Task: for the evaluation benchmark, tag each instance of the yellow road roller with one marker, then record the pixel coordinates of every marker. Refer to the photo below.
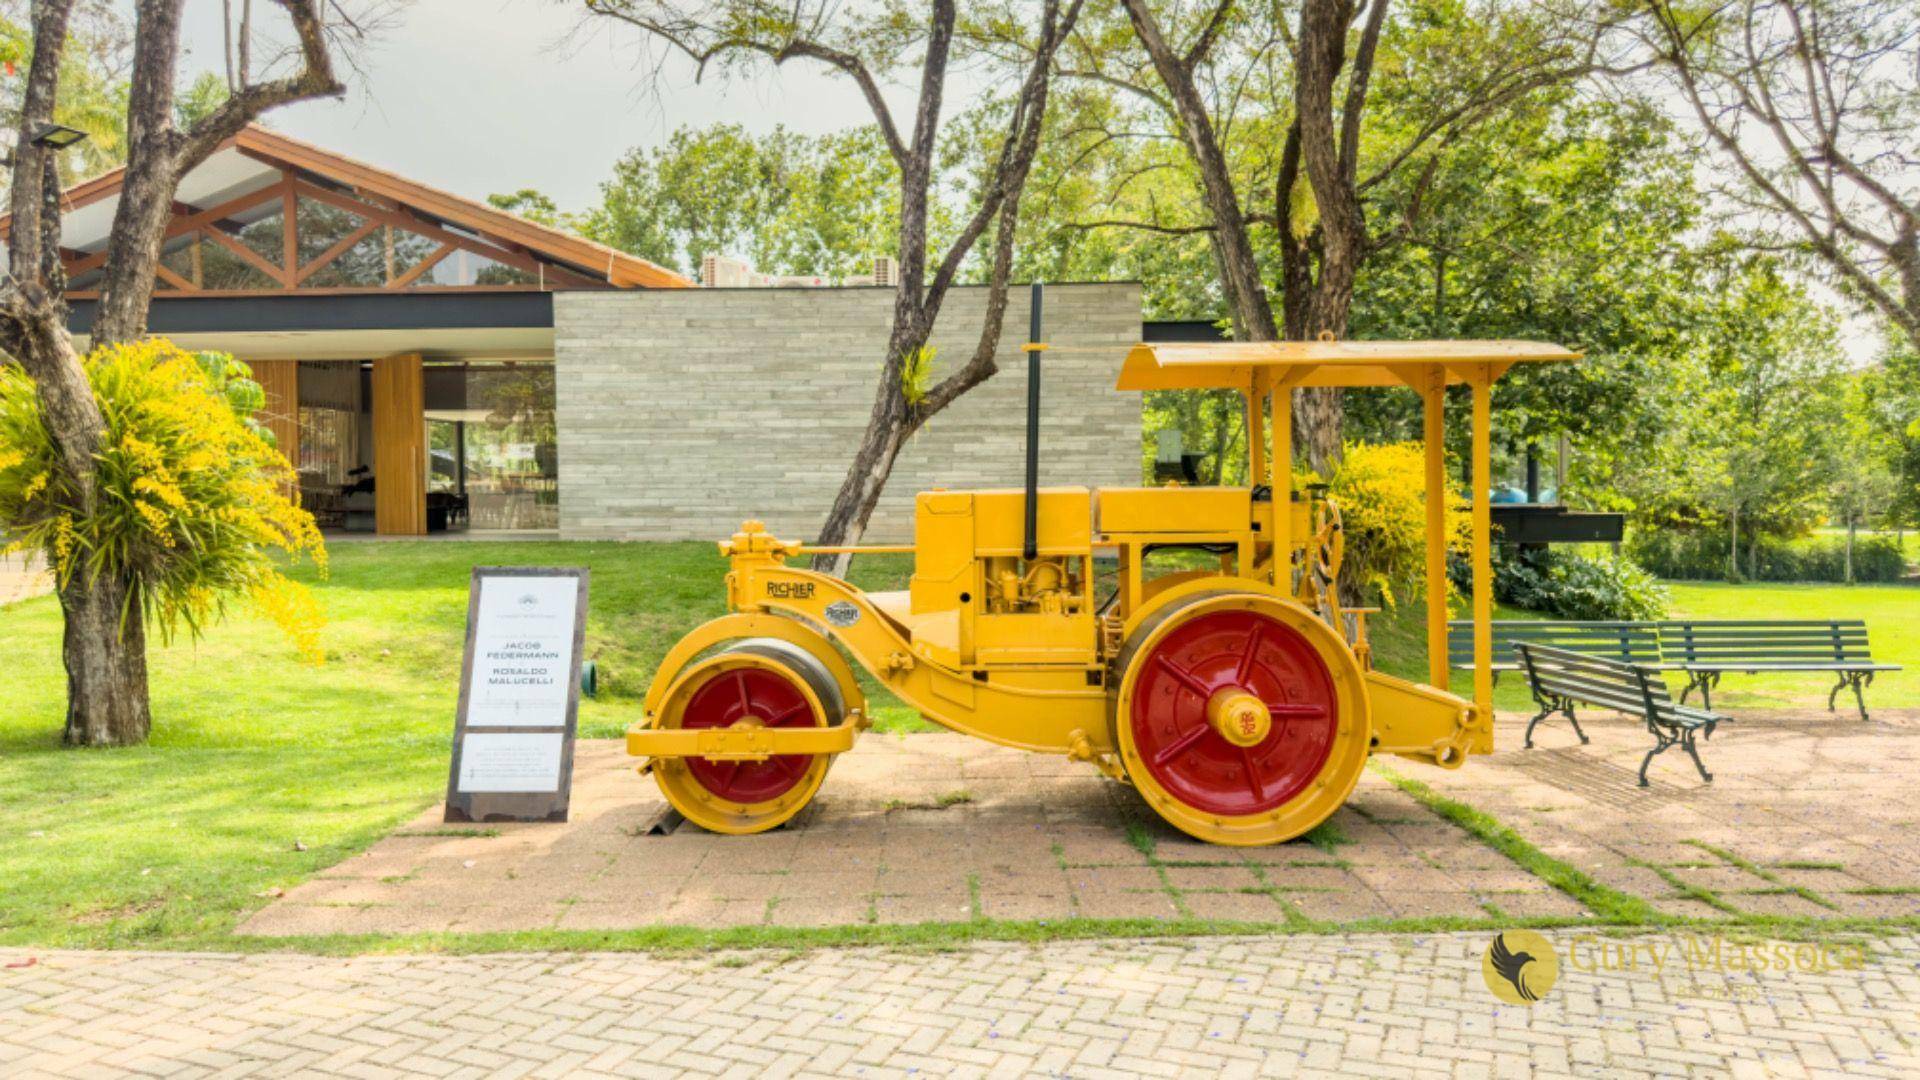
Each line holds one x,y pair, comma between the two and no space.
1236,697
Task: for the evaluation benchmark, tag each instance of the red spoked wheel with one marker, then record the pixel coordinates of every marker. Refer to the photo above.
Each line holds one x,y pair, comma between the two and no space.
758,682
748,697
1241,717
1235,712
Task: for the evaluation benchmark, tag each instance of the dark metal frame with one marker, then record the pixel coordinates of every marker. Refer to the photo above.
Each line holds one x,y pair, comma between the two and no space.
517,806
1667,733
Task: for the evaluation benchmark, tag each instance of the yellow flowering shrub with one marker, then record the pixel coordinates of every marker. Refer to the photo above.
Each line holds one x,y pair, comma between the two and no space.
192,505
1381,490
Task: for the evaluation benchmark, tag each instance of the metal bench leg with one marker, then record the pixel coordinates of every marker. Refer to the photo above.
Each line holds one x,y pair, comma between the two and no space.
1547,708
1711,679
1859,681
1575,721
1545,712
1834,695
1661,743
1686,743
1694,679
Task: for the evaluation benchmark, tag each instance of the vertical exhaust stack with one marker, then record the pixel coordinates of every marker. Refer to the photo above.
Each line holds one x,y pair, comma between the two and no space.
1033,349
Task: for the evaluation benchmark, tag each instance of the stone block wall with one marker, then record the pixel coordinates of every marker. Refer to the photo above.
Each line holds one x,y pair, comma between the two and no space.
683,412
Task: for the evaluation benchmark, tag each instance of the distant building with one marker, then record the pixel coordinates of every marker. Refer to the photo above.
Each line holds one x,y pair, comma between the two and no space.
432,362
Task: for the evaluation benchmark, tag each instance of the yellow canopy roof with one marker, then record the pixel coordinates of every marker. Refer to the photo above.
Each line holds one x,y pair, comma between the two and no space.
1205,365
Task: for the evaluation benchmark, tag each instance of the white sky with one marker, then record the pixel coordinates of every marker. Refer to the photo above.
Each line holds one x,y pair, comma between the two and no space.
483,96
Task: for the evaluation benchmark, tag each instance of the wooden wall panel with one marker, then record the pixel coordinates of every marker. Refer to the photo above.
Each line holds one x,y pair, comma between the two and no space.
281,380
399,446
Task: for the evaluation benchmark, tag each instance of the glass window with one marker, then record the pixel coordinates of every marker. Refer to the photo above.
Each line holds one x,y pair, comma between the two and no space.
465,267
181,254
263,228
220,268
409,248
322,225
364,265
491,447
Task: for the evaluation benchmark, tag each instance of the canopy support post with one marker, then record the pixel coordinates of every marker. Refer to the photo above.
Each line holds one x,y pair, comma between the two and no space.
1480,378
1433,393
1280,480
1256,429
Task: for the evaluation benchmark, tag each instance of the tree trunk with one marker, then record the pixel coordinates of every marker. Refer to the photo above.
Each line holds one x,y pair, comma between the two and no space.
1233,248
104,651
917,301
1733,545
106,660
1850,527
105,636
873,459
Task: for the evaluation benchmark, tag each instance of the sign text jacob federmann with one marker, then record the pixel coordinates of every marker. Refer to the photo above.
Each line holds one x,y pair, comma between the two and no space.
527,676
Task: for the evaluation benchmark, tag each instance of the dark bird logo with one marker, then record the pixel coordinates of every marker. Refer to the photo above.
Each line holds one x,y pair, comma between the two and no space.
1520,967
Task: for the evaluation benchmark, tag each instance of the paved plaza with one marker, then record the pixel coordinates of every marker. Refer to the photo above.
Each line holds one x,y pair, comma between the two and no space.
1372,1005
1809,815
1801,819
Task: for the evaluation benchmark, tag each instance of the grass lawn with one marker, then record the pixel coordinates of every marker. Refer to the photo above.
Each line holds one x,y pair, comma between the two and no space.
262,770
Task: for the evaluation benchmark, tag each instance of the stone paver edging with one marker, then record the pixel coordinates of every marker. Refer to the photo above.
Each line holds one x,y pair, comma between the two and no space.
1378,1005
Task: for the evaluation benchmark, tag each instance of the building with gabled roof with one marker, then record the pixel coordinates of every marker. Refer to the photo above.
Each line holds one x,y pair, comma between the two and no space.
435,363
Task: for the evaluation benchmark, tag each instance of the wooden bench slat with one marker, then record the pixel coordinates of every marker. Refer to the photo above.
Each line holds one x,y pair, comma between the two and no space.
1782,665
1762,641
1763,623
1789,652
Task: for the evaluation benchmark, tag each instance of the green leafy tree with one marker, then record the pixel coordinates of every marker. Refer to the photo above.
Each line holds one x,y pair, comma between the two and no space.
1754,419
200,98
193,497
93,83
535,206
1864,481
786,203
105,639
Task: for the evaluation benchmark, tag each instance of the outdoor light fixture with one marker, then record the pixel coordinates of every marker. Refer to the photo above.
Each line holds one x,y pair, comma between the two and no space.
57,136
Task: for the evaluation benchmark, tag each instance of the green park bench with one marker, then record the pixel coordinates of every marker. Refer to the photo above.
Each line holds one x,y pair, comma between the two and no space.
1632,642
1560,677
1706,649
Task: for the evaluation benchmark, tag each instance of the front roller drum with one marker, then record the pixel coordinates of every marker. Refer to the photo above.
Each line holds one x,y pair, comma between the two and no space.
754,683
1242,718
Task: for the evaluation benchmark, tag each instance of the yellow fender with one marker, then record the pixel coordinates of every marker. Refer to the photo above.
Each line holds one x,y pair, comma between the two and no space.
751,625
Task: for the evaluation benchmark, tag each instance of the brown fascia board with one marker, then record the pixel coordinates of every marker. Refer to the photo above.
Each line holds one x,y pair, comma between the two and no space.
618,267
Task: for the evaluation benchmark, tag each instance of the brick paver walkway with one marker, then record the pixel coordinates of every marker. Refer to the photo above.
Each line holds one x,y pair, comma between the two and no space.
943,828
1380,1006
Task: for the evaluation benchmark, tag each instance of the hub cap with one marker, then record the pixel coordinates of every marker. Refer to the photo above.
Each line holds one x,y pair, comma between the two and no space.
748,697
1234,713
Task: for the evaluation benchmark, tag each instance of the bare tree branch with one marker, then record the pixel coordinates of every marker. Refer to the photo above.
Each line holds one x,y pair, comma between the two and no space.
1818,132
